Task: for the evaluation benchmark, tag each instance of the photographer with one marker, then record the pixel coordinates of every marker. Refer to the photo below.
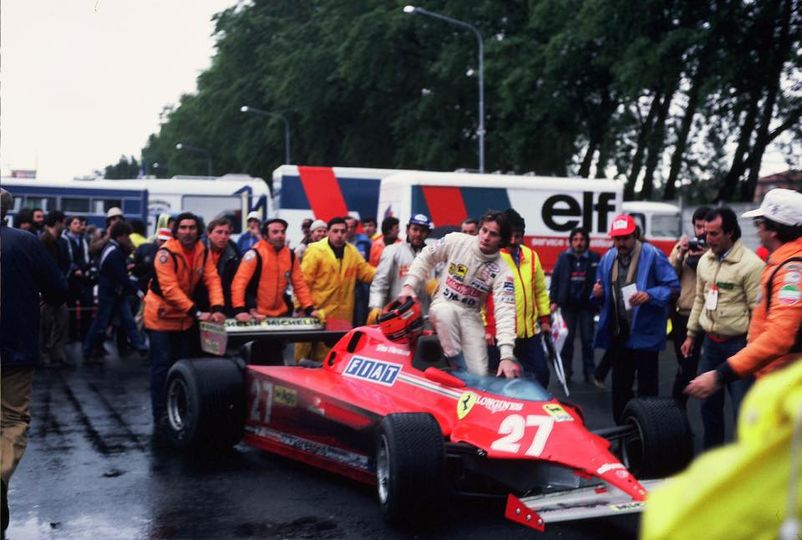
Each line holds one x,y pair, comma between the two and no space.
684,258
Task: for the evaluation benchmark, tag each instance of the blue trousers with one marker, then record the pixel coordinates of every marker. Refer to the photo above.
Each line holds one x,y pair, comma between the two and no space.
713,355
165,349
107,308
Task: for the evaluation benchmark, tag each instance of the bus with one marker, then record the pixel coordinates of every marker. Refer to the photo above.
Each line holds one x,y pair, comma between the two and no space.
232,196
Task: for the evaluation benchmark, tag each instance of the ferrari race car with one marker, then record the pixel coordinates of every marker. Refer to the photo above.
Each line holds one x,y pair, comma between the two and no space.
383,408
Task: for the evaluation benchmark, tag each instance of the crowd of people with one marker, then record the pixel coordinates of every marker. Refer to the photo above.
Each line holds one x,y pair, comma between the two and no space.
484,291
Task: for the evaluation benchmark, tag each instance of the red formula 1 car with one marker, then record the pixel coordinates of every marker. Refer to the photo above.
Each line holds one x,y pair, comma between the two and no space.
382,411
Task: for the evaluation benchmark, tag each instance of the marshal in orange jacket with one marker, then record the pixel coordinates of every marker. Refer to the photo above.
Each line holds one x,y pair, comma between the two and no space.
278,269
168,304
775,335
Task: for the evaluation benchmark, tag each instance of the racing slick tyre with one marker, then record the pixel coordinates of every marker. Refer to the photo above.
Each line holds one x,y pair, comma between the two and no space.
410,457
661,443
205,403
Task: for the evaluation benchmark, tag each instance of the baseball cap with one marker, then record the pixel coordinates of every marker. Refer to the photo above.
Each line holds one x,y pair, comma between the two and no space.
420,219
164,234
317,224
623,225
114,211
254,215
782,206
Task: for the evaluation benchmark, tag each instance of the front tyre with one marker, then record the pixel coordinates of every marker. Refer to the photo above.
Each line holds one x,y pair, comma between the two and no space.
410,457
205,403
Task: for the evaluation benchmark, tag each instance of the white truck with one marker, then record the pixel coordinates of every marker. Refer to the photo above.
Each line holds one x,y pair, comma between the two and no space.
551,206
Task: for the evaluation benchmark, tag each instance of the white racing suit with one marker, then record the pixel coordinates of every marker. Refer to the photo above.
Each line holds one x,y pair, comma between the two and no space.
469,276
390,274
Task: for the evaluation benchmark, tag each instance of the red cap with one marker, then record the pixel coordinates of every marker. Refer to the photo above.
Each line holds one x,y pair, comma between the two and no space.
623,225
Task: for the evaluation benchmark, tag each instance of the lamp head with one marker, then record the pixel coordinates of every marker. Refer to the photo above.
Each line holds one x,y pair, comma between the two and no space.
179,146
410,9
244,108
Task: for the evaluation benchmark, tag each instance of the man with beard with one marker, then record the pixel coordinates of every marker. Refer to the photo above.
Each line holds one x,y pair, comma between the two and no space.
394,265
634,285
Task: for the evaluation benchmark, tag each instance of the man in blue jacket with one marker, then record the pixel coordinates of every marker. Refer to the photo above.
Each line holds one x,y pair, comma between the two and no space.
634,286
113,287
26,272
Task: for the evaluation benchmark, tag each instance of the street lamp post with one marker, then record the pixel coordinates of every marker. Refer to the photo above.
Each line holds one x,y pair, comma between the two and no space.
413,10
184,146
247,109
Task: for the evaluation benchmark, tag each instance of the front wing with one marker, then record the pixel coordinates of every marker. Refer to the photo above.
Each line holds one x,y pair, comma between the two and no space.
581,503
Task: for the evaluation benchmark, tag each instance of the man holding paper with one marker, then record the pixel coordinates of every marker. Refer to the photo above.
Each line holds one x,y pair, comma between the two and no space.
634,286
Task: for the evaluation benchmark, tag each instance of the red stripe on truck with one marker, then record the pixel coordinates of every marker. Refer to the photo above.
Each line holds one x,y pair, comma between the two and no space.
445,205
323,191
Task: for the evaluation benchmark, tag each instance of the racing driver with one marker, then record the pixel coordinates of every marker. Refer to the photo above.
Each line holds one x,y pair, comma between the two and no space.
394,265
472,270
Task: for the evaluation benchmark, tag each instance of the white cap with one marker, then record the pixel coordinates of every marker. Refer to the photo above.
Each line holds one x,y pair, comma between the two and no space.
318,224
113,212
782,206
254,215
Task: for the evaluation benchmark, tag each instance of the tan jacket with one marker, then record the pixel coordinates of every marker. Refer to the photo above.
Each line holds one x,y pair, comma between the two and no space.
687,281
737,279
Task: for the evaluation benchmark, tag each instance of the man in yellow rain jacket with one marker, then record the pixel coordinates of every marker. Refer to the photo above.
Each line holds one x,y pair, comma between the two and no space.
531,302
331,268
744,490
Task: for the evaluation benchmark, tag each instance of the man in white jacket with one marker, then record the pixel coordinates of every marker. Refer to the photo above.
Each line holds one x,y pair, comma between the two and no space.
394,265
473,270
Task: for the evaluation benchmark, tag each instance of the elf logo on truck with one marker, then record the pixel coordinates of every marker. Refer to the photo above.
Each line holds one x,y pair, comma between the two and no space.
563,212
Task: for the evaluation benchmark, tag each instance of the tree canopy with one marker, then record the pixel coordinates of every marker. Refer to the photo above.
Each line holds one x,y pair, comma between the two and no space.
666,95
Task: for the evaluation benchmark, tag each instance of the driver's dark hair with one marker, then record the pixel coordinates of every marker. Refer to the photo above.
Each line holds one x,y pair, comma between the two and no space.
729,221
504,227
187,215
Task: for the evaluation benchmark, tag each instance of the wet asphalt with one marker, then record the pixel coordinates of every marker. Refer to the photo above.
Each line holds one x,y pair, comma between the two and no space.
93,470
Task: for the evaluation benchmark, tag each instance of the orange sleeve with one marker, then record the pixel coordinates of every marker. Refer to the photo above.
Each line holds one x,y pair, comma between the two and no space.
781,326
247,267
376,253
212,280
168,282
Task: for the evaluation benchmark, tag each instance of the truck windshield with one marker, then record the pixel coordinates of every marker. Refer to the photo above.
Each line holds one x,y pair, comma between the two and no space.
524,388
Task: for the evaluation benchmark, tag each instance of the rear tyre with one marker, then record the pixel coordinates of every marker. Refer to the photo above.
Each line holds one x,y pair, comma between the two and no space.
205,403
661,443
410,458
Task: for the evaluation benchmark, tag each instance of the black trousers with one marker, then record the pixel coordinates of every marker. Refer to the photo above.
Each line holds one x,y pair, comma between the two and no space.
686,366
627,363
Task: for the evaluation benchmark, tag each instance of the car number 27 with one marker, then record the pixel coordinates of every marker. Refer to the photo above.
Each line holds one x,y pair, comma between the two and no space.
516,428
261,400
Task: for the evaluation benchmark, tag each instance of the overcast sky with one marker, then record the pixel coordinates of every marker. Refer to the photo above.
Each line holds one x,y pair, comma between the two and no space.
84,81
